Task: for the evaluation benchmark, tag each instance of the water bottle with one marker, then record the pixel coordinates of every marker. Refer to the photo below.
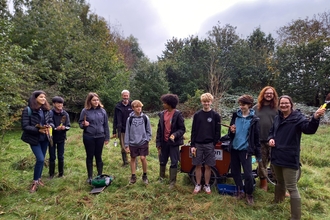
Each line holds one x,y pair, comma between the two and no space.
115,143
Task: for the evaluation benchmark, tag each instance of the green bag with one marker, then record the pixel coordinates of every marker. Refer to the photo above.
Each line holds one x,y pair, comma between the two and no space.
102,180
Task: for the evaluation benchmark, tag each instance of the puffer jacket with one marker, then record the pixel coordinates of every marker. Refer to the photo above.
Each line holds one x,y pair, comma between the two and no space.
177,129
287,135
31,134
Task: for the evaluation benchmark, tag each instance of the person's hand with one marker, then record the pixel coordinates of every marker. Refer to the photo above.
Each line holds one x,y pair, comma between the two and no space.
43,130
193,151
319,113
232,128
106,142
271,143
172,137
86,123
127,149
159,150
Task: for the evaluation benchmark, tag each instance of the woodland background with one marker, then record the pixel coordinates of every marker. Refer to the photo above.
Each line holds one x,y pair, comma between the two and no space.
61,47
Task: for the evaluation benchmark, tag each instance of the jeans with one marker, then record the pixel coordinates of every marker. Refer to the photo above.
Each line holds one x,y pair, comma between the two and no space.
39,152
60,152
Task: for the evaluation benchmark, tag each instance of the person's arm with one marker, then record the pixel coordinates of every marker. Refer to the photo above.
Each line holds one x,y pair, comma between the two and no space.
181,128
106,127
217,129
148,129
115,121
26,122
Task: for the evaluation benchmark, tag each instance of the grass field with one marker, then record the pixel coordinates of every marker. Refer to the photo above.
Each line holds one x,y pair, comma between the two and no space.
69,198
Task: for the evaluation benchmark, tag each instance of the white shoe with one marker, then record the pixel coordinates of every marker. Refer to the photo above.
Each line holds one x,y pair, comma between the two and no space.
197,189
207,189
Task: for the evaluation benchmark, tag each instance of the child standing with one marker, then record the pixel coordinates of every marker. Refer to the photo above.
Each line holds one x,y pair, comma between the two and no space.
169,136
244,131
62,125
205,133
137,137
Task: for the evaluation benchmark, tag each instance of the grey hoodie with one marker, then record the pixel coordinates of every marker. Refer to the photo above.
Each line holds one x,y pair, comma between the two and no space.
137,133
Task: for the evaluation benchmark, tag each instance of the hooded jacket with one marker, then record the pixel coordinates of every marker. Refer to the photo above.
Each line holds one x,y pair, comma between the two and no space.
287,135
177,129
137,133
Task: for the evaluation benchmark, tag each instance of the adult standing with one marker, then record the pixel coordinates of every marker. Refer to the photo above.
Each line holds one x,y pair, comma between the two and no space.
36,124
94,121
122,111
284,138
266,110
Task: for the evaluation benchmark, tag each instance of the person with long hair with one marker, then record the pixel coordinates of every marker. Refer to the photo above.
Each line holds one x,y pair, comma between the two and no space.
284,139
94,121
266,110
37,124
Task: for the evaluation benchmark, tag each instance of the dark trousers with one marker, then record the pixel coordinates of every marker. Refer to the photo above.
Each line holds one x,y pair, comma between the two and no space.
241,159
39,152
93,148
60,152
168,150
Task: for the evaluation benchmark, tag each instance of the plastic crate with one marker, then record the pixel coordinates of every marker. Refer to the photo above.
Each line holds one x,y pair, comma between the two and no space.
225,189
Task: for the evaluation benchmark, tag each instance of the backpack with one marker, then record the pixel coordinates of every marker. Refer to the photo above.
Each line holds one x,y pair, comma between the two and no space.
102,180
130,119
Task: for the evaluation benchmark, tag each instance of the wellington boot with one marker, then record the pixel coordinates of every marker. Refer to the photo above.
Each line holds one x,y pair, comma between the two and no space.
60,169
51,170
89,172
295,208
124,158
263,184
173,173
162,170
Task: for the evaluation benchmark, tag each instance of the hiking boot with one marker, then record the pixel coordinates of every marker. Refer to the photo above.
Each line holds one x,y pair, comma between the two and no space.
197,189
41,183
240,195
207,189
145,179
132,180
34,187
249,199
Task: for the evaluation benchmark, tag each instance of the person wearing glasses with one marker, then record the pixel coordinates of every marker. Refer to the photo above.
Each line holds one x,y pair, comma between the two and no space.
266,110
284,140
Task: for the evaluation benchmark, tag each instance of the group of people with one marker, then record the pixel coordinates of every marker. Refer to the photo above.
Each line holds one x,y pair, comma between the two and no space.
271,130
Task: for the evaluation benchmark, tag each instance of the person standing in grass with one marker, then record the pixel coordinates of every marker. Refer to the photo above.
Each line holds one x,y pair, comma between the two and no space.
122,111
170,132
284,139
137,138
94,121
62,125
244,132
266,110
205,133
36,124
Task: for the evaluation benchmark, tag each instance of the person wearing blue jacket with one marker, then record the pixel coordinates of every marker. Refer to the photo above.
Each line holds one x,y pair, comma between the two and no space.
36,125
284,140
137,137
244,132
94,121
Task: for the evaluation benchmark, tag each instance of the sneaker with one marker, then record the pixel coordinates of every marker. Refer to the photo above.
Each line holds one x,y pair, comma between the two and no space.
34,187
197,188
249,199
41,183
207,189
132,180
145,180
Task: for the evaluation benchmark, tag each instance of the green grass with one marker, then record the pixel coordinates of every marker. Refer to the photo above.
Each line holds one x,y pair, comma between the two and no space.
69,198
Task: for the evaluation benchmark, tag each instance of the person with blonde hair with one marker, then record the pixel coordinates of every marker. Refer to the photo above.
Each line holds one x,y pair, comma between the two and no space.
205,133
137,137
94,121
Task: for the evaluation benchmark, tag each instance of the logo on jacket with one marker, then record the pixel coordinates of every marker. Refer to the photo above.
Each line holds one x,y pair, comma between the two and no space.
137,121
209,119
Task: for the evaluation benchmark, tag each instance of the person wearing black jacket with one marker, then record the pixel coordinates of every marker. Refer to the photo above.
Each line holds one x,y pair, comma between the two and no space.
284,139
62,125
170,133
37,124
122,111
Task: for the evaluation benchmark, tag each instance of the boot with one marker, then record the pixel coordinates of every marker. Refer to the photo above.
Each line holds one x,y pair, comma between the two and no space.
279,194
89,172
124,157
295,204
173,173
162,170
99,167
51,170
263,184
60,169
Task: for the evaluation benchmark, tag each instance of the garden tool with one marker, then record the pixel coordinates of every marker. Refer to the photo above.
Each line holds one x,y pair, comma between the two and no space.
327,101
62,120
265,173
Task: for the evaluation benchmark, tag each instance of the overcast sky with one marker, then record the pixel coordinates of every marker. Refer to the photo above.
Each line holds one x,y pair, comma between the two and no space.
153,22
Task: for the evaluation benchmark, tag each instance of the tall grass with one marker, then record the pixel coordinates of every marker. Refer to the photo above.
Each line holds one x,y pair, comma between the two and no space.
69,198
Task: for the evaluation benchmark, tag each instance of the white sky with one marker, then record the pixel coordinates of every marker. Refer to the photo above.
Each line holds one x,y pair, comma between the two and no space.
154,22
